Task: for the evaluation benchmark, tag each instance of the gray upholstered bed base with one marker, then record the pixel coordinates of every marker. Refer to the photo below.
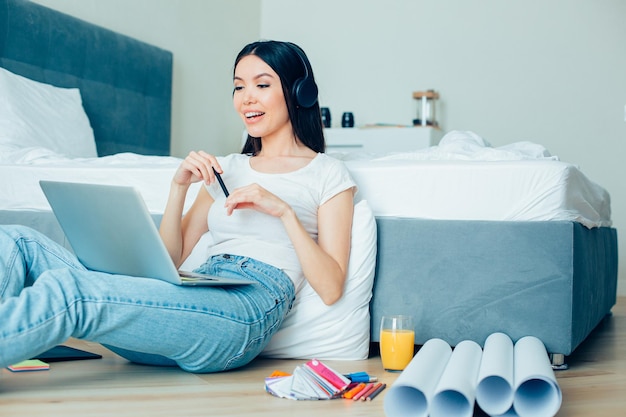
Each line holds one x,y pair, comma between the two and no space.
467,279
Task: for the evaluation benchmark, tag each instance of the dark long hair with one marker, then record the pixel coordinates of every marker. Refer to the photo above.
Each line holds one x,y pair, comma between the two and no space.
285,61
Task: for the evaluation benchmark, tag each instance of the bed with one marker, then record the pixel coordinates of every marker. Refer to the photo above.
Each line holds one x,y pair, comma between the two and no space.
490,239
125,90
469,239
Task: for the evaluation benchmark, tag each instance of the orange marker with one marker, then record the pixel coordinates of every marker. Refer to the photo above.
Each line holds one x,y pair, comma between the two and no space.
278,373
354,391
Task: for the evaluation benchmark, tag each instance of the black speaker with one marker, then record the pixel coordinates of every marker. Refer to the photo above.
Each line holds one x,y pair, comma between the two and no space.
304,89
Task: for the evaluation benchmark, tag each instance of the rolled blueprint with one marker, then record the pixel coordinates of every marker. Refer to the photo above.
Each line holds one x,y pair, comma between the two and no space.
537,393
411,393
494,393
456,390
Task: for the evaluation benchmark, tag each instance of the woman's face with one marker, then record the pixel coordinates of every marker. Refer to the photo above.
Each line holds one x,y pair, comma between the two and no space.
259,100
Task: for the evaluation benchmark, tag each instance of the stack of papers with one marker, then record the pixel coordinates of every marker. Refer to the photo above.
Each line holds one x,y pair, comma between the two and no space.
310,381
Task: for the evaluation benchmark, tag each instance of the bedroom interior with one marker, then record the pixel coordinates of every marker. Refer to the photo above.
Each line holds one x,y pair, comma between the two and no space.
565,295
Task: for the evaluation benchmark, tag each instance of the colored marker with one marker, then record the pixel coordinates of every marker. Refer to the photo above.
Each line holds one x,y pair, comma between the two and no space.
377,391
361,377
365,391
354,391
374,388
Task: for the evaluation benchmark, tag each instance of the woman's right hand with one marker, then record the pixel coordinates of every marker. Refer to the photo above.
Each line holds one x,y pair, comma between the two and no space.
197,166
181,233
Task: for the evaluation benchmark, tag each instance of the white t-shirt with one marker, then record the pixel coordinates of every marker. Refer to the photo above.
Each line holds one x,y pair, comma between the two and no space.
263,237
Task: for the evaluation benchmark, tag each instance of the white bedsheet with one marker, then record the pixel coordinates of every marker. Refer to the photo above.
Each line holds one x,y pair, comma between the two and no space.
463,178
462,190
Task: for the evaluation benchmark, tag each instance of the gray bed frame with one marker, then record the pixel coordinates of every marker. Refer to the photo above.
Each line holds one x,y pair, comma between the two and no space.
555,280
459,279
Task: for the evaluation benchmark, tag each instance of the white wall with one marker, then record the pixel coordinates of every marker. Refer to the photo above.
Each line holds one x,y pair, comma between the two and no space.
549,71
205,37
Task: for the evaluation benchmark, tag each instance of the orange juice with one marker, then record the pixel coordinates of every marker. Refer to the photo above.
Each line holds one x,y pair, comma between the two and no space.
396,348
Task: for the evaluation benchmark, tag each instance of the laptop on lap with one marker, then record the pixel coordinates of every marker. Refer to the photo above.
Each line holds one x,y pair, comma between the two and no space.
110,230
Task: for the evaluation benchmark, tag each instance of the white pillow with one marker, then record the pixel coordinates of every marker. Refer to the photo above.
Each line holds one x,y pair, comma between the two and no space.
312,329
34,114
340,331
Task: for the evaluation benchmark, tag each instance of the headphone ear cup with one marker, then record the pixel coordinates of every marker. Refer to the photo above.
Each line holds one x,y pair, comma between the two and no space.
305,92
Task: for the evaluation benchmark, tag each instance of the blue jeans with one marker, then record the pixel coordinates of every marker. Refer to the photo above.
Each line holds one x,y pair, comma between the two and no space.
47,296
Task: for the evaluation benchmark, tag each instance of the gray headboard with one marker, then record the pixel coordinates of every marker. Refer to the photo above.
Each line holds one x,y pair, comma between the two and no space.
126,84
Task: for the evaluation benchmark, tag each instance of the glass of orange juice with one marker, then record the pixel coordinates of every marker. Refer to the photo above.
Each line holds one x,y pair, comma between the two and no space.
397,342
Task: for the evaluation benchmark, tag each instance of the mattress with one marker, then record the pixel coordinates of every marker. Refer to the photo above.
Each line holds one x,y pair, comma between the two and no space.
462,178
528,190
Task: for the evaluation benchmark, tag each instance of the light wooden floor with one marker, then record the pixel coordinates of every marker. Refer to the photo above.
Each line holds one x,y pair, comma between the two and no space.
595,385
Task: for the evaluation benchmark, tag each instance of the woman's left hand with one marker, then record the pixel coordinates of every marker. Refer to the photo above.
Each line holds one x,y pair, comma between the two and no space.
255,197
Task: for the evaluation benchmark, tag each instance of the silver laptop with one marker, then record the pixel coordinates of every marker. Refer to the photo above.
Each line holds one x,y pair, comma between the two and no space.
110,230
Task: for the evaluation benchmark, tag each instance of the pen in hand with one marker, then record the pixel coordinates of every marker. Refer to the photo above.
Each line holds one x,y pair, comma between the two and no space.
219,179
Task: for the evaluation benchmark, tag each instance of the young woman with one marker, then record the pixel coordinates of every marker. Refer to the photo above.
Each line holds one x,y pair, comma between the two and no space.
287,219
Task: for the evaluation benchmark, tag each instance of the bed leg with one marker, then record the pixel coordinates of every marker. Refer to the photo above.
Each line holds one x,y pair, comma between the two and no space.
558,361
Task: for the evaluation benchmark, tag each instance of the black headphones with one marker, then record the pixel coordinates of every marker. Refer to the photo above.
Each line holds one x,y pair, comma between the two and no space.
304,89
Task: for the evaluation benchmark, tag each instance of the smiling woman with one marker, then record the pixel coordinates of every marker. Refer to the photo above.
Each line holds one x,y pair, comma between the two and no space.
286,222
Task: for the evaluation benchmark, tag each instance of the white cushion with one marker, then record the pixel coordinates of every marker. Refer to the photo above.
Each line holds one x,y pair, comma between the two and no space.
38,115
314,330
340,331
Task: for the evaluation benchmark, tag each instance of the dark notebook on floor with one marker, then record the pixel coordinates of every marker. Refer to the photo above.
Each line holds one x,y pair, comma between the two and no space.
65,353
